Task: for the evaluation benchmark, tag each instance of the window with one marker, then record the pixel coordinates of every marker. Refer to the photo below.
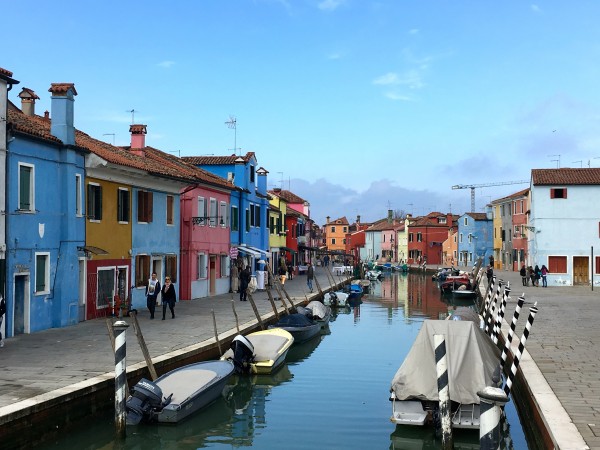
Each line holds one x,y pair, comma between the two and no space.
410,237
223,214
170,213
251,174
470,238
235,218
247,220
94,201
333,229
224,265
332,241
557,264
502,235
466,221
460,239
106,287
144,206
345,229
213,212
558,193
344,241
272,225
522,206
442,220
202,269
419,237
78,195
171,267
257,215
201,210
26,188
142,270
42,273
123,205
517,231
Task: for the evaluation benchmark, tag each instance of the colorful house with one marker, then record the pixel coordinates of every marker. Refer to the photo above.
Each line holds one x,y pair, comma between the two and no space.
45,221
277,234
520,217
450,247
475,231
335,234
426,236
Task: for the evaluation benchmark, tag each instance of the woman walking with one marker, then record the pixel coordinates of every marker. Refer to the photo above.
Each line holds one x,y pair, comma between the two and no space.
168,297
544,273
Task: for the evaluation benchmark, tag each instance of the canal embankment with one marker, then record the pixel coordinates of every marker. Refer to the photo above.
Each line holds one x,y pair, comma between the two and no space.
56,379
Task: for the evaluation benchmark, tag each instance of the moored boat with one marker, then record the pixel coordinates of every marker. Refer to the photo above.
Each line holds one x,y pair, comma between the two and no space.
336,299
178,393
261,352
316,311
299,326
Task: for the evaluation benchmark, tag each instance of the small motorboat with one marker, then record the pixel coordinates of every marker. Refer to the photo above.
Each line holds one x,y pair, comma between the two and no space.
261,352
374,275
316,311
178,393
472,362
299,326
336,299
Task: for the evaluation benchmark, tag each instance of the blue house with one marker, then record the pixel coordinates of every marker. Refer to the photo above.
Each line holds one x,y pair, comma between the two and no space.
45,221
475,237
249,205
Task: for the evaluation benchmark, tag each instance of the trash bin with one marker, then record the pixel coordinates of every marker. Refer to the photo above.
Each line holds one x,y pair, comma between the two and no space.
260,279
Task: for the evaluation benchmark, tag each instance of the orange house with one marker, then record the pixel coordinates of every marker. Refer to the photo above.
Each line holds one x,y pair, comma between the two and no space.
335,234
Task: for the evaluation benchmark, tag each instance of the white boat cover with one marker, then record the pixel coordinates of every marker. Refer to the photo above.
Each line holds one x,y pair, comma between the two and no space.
318,309
470,354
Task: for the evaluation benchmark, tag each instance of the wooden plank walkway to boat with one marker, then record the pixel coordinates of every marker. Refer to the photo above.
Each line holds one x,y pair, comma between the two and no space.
59,365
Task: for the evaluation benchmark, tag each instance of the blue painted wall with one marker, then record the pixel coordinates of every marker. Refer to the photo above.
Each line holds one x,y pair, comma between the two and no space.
481,243
53,227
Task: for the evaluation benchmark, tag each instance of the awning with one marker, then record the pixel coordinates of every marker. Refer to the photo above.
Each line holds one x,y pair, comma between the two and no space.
249,251
264,252
287,249
93,250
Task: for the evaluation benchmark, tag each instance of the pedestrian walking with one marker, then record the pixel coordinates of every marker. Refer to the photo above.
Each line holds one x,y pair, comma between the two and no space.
245,277
524,277
490,273
544,272
152,291
531,274
538,275
169,297
310,274
2,311
282,271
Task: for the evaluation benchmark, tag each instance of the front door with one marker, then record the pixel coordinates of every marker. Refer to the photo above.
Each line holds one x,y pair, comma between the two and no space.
213,274
21,298
580,270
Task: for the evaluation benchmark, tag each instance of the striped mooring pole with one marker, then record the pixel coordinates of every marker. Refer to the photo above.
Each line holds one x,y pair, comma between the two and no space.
511,332
441,365
492,399
120,326
500,314
515,365
492,310
488,297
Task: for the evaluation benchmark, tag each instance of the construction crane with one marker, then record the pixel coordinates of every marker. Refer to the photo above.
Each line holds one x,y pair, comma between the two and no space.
473,186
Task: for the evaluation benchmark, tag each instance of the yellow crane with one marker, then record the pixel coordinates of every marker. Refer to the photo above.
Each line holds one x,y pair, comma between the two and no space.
473,186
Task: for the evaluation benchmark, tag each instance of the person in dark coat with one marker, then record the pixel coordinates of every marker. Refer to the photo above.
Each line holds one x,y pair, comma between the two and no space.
524,277
152,290
490,274
2,311
538,274
245,277
310,275
169,297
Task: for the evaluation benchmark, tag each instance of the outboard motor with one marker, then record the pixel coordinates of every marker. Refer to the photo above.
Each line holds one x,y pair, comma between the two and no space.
333,299
243,353
144,401
305,311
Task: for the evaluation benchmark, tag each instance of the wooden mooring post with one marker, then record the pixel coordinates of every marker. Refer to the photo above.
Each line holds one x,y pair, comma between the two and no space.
237,322
140,337
256,313
212,311
272,301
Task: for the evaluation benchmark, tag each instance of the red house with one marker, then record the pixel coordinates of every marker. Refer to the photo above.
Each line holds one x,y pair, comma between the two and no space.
426,236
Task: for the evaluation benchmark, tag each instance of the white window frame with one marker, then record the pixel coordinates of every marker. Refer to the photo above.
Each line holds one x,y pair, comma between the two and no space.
46,273
201,209
202,267
224,207
224,265
92,183
31,187
78,195
466,221
119,190
213,212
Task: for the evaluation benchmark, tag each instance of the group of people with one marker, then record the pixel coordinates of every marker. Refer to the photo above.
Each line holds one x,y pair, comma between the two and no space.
534,274
169,297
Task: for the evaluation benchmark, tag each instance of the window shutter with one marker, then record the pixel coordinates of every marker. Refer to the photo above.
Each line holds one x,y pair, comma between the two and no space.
99,203
90,201
150,205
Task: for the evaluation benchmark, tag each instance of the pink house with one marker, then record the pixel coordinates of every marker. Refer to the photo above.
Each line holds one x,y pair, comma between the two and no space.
205,236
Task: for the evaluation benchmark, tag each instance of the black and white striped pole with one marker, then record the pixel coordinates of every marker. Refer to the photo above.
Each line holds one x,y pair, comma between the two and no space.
491,401
441,365
515,365
500,314
488,297
120,327
511,332
492,310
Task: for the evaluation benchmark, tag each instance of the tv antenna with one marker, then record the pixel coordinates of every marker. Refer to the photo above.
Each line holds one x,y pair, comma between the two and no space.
110,134
557,161
132,111
232,124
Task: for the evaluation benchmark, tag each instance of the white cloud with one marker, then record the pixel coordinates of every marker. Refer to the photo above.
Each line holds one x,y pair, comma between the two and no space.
392,95
334,56
413,31
330,5
387,79
535,8
166,64
411,78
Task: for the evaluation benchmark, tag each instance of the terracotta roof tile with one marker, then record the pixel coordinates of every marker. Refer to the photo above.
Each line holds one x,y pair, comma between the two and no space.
8,73
478,216
216,160
521,193
62,88
340,221
288,196
32,125
567,176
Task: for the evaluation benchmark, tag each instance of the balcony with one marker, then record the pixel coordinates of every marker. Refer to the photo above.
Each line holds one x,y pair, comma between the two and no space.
302,240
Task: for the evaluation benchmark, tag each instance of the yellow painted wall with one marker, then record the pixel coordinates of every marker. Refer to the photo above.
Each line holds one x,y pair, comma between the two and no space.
108,234
276,240
497,236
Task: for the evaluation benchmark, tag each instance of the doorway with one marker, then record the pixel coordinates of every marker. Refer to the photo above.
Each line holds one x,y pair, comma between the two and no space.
212,274
580,270
21,305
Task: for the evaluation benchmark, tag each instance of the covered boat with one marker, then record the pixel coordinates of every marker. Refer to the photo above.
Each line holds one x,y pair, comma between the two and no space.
336,299
320,312
472,359
299,326
178,393
261,352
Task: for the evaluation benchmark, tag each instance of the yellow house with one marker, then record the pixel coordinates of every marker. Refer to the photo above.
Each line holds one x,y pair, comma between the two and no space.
497,223
277,236
335,234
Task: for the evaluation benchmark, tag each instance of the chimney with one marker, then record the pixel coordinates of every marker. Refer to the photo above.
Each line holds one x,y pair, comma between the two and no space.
390,216
62,125
28,98
327,220
357,219
138,139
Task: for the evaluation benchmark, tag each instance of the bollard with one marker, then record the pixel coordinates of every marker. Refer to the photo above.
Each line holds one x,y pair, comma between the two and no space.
515,365
120,327
500,314
492,400
511,332
439,342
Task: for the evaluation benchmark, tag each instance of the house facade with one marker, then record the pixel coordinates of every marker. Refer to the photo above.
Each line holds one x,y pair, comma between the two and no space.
426,236
564,224
475,231
334,232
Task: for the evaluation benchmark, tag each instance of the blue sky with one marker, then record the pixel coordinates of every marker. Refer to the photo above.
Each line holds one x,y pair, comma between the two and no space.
356,106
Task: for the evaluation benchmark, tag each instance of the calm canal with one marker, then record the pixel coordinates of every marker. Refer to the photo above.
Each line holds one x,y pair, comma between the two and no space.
332,392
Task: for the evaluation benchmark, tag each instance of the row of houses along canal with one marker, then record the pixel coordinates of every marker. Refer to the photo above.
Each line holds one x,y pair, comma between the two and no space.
332,392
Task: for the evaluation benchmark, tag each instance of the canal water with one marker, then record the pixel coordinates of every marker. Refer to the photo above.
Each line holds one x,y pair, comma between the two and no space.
331,394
